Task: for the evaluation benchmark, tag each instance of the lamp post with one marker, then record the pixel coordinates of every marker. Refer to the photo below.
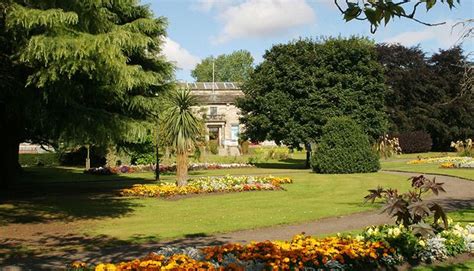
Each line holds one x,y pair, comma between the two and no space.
157,168
88,159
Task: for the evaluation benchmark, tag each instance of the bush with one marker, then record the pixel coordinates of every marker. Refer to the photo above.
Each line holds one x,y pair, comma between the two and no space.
344,148
244,147
39,159
415,142
280,153
213,147
144,159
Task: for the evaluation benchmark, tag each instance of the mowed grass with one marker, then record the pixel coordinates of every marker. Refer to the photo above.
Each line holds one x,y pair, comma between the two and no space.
311,196
467,266
74,195
465,173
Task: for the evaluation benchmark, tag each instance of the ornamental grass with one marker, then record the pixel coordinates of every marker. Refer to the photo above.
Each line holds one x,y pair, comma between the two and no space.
208,185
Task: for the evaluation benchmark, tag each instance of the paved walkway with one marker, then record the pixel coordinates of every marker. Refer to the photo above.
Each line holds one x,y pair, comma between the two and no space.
460,195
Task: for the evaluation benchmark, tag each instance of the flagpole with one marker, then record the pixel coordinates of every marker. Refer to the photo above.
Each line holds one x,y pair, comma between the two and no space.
213,77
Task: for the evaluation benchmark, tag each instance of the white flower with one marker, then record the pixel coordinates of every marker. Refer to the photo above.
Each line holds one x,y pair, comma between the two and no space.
370,231
396,232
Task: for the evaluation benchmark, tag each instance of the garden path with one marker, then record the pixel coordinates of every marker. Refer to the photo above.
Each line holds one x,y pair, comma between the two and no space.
460,195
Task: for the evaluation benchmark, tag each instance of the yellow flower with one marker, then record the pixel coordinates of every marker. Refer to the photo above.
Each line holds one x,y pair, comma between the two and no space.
100,267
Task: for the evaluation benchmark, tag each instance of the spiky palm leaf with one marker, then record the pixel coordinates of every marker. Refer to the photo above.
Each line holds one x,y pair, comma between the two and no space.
180,125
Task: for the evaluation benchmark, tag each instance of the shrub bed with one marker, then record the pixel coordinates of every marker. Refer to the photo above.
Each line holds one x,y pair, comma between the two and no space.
380,247
208,185
344,148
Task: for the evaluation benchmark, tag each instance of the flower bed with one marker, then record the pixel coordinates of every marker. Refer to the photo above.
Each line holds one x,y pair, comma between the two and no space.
208,185
377,247
447,162
163,168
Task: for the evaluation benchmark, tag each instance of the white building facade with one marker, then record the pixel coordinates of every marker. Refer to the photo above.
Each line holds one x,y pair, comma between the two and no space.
220,114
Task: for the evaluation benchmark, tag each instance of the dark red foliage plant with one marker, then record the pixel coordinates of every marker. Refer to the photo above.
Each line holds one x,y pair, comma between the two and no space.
409,208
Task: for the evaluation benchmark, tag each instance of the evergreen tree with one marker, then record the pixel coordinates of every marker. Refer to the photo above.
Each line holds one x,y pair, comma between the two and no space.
344,148
90,71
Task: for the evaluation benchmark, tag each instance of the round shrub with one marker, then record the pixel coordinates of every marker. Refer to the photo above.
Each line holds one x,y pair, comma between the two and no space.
344,148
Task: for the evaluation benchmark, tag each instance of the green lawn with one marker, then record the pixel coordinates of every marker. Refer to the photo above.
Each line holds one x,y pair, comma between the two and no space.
68,194
65,193
312,196
428,168
468,266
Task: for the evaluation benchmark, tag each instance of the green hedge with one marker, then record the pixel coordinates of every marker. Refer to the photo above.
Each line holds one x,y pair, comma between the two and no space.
35,159
344,148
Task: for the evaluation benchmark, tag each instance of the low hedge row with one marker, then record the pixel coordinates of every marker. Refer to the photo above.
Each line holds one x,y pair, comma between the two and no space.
39,159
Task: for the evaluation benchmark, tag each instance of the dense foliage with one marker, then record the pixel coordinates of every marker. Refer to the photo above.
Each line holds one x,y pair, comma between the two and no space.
234,67
415,142
425,93
302,84
84,71
344,148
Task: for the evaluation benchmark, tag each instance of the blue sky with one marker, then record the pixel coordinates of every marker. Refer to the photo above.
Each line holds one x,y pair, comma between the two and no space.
201,28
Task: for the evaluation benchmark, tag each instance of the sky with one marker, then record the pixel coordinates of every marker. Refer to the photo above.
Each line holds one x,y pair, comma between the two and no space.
201,28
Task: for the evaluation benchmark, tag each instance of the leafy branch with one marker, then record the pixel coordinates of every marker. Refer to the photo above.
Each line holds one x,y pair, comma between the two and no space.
378,11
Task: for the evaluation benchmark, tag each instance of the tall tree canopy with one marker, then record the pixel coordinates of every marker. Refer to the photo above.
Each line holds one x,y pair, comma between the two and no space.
234,67
89,71
425,93
302,84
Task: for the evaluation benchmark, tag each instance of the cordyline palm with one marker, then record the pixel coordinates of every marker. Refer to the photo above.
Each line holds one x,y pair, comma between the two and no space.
181,129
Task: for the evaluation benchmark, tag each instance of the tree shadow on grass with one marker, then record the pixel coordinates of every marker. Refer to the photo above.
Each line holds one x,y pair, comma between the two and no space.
284,164
87,197
58,251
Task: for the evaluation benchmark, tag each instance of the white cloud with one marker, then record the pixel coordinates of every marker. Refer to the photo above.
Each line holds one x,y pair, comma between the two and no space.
444,35
179,55
257,18
208,5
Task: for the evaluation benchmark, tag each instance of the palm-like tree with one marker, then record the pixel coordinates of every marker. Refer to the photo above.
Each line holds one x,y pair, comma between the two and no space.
181,129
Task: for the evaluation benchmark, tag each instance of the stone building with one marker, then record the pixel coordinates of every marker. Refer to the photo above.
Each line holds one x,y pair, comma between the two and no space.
221,116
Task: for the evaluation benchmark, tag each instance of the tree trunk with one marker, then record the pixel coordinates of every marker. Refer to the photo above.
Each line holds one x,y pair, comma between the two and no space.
308,156
181,169
157,168
3,154
9,164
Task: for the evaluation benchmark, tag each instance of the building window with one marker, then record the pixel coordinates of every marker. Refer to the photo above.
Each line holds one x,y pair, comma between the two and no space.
213,111
234,132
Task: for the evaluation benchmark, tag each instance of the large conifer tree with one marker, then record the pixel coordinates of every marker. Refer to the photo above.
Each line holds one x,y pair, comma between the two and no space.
82,71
